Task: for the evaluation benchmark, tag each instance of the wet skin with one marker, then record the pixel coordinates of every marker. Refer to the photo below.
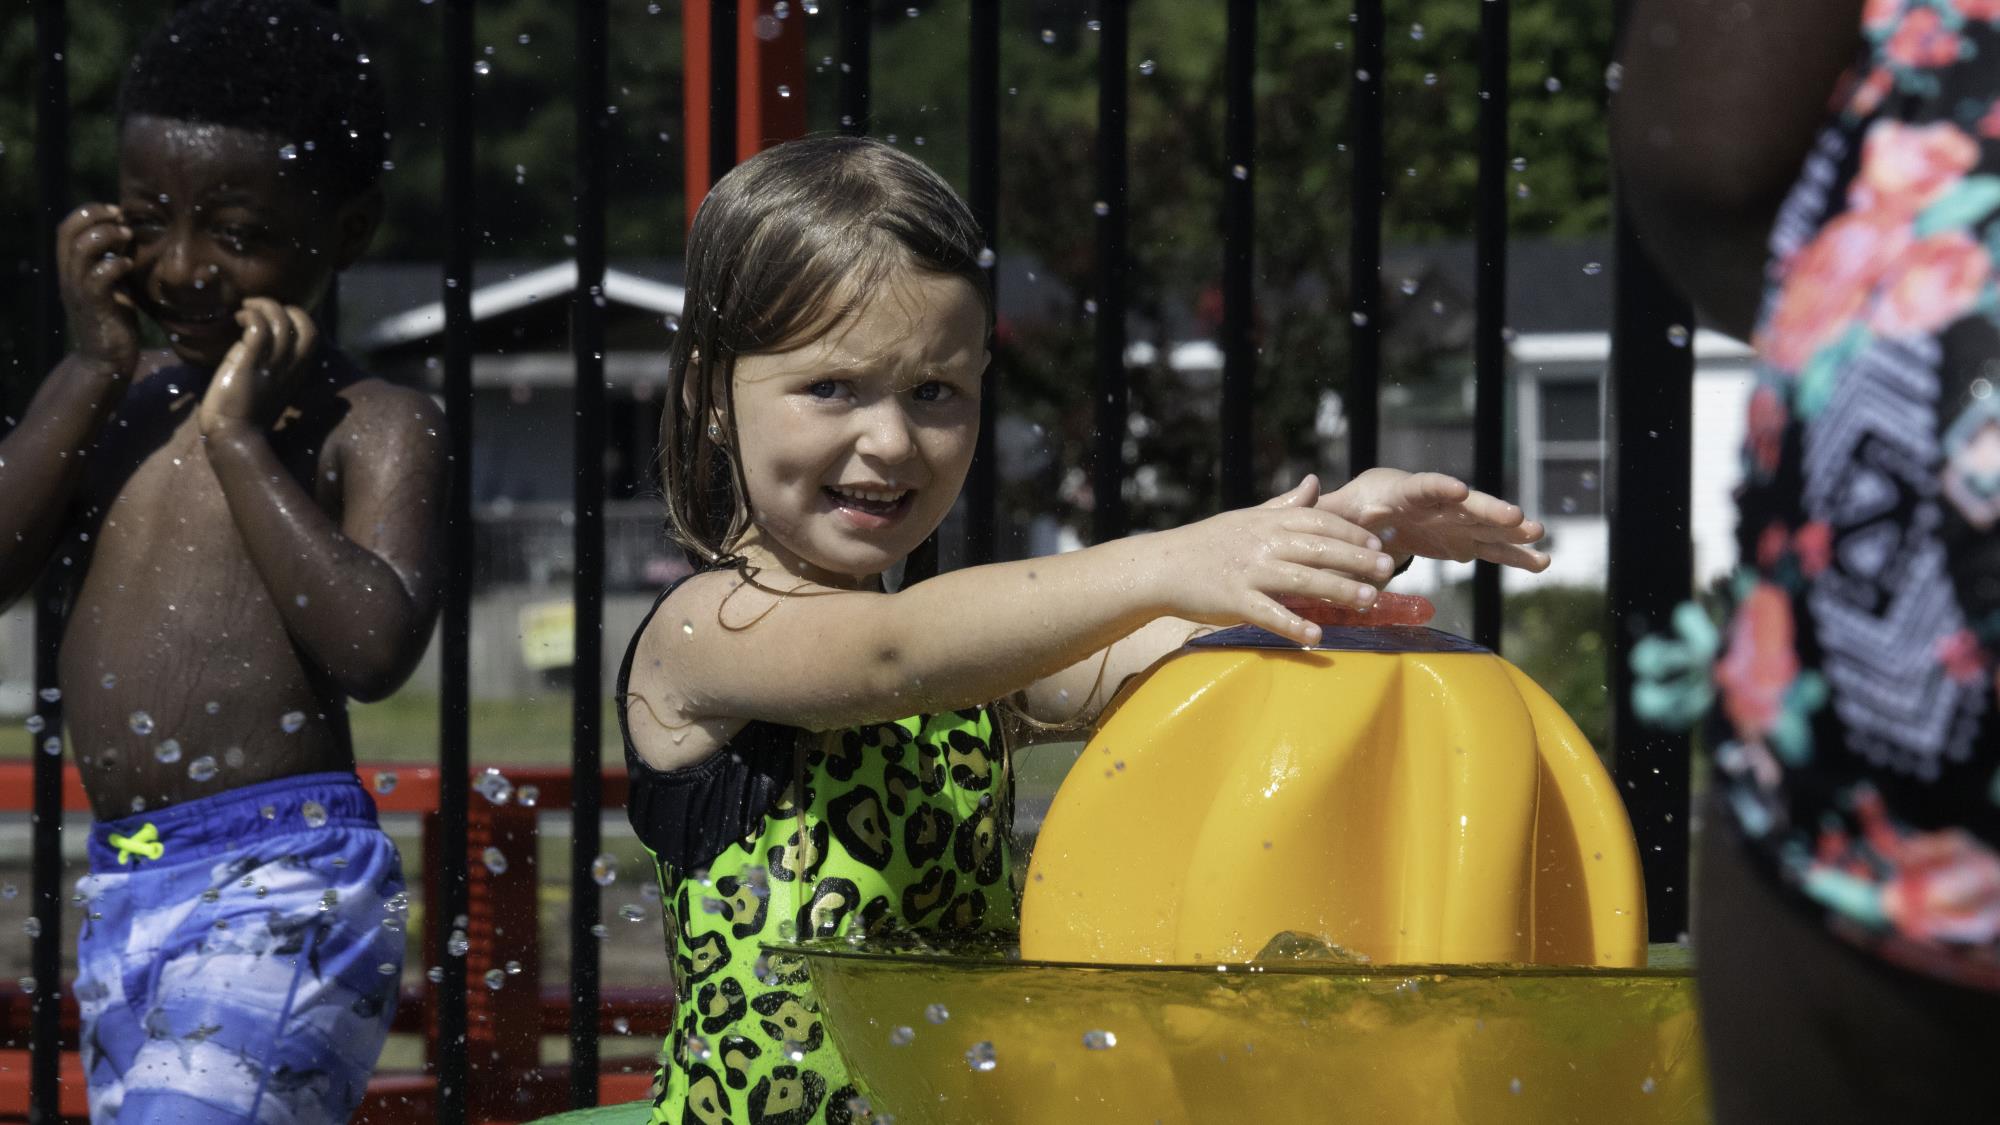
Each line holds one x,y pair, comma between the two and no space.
246,527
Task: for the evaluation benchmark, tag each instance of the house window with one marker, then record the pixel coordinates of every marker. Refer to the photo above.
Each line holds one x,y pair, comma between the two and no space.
1565,453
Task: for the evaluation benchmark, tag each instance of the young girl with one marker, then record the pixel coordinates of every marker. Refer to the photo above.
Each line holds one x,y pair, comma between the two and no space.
811,753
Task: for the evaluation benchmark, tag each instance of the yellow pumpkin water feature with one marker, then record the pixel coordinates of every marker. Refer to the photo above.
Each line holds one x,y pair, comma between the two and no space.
1396,791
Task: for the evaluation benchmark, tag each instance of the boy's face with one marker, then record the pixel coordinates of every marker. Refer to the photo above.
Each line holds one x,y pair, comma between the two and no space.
218,216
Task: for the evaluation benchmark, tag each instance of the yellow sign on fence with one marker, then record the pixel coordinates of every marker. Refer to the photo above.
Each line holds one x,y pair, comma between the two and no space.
548,634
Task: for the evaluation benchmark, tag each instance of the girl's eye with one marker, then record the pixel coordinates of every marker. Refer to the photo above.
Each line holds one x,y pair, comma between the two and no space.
825,388
933,391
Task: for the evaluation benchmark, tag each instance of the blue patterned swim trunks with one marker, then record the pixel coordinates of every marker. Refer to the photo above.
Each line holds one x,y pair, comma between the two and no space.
236,965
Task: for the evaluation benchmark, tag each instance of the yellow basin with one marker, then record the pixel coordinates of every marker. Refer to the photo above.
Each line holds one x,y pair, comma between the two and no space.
1397,792
1289,1042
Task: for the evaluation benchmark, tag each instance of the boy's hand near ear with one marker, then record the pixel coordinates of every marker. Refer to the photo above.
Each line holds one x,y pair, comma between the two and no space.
93,258
259,375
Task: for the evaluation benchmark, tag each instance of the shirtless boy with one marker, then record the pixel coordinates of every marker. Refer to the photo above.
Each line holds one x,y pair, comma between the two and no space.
248,531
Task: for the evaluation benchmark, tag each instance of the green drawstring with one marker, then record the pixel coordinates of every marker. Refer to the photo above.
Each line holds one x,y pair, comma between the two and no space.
145,842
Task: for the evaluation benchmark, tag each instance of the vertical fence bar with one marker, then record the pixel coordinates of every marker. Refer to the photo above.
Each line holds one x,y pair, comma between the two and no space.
1364,332
1107,469
52,147
721,88
587,581
854,64
1239,232
982,485
454,725
1651,558
1489,344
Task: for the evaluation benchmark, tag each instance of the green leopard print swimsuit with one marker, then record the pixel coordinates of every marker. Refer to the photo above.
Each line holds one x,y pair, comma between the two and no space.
901,825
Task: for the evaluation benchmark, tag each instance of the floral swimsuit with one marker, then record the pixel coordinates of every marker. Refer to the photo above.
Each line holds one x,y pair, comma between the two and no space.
1854,729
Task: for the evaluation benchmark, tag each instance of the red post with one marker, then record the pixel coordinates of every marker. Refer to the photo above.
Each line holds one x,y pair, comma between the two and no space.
770,84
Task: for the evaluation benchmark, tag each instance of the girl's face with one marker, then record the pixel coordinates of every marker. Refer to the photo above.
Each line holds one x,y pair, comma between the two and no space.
854,445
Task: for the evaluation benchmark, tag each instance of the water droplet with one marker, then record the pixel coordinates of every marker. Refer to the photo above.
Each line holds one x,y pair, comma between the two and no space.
457,944
168,752
979,1056
1513,1085
495,860
1677,335
1520,191
600,931
385,781
202,769
50,694
386,968
141,723
28,985
1614,77
1518,164
1049,35
986,257
1408,287
110,680
314,814
901,1036
1552,84
495,978
1592,269
697,1048
1646,1087
522,39
495,787
9,891
52,746
1360,319
937,1013
329,900
1101,207
687,628
513,968
1240,172
35,724
604,870
811,7
269,812
482,67
1147,67
435,974
300,601
795,1050
528,796
1417,32
289,152
632,912
292,721
784,91
1100,1040
32,927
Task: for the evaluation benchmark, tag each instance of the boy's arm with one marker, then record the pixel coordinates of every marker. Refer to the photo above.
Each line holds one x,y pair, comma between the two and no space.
42,460
360,596
1718,107
42,463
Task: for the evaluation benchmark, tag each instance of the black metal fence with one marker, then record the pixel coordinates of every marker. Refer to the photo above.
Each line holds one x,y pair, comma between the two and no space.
1651,567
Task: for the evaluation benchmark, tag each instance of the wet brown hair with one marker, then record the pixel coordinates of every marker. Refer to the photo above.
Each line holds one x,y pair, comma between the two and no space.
784,247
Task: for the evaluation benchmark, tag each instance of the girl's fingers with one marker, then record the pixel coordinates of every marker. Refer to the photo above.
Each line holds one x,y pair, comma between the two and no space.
1301,495
1361,561
1521,558
1436,489
1269,615
1312,521
1326,585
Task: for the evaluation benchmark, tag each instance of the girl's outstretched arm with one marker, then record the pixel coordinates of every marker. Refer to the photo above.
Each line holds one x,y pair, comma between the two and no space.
723,651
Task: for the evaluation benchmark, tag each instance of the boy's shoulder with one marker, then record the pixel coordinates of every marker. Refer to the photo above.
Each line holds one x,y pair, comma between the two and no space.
372,409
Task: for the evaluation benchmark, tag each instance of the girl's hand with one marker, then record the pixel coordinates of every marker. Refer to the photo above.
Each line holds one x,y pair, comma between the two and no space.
1233,568
1438,517
93,258
256,379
